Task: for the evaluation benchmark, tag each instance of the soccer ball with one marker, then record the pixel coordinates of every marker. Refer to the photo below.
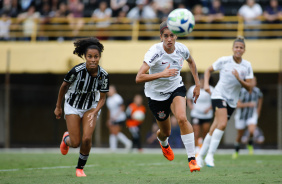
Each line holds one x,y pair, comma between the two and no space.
181,22
138,115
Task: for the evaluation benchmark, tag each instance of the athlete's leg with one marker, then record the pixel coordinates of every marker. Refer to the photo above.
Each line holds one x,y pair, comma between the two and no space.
251,128
197,131
164,130
205,129
86,143
217,133
178,108
114,130
73,125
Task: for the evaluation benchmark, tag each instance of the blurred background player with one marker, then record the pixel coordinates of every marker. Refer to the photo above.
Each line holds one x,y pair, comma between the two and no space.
116,119
247,114
166,91
136,115
235,73
201,112
82,102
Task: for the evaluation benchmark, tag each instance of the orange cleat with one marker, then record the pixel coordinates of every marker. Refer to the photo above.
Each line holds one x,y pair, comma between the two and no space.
80,173
194,166
168,153
63,147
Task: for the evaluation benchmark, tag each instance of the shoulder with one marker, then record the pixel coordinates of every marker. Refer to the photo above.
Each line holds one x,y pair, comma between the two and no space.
246,63
225,59
103,71
78,68
156,47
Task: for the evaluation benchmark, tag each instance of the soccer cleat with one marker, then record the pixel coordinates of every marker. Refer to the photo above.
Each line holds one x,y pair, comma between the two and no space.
168,153
63,147
209,161
200,161
235,155
194,166
251,149
80,173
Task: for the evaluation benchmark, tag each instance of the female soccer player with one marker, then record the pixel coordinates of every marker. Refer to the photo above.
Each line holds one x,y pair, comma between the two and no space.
201,112
166,91
85,87
235,72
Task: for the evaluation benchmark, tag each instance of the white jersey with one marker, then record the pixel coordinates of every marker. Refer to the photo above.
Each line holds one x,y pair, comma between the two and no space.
158,59
228,87
203,103
113,103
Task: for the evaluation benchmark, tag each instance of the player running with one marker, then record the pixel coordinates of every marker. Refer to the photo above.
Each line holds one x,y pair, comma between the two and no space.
166,92
85,87
235,72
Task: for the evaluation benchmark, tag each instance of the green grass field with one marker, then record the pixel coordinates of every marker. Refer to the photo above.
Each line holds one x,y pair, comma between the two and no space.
111,168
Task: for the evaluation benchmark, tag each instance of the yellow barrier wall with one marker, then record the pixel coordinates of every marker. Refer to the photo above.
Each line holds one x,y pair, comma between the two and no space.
127,57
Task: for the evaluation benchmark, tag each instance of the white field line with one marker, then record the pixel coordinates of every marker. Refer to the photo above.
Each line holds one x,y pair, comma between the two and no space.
43,168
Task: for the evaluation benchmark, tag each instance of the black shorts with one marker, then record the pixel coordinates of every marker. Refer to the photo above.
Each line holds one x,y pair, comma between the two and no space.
120,123
199,121
219,103
161,109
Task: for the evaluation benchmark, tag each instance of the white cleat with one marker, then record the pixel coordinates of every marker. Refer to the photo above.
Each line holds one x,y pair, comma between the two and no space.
209,161
200,161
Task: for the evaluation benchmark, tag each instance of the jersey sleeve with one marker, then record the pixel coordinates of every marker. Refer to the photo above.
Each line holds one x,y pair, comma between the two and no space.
186,52
250,73
151,56
190,92
218,64
260,95
105,84
71,76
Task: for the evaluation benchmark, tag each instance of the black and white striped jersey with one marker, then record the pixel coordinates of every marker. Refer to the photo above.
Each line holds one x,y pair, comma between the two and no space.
85,89
246,97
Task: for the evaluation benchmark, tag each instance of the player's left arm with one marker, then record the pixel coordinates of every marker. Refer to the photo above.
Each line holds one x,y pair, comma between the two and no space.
260,101
194,71
247,84
94,112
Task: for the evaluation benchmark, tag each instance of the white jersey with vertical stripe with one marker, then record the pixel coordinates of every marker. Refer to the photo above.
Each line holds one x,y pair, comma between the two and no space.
246,97
228,87
158,59
85,89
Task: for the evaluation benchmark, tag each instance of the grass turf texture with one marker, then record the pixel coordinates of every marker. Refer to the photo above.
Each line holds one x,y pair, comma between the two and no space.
137,168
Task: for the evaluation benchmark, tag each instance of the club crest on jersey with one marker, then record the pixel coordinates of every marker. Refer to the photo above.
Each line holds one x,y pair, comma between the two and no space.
161,114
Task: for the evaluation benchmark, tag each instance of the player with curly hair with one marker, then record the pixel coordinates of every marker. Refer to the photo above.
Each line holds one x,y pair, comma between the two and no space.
84,88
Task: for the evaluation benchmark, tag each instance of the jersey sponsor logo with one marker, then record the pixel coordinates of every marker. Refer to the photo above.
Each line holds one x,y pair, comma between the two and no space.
224,103
154,57
161,114
165,94
164,63
174,63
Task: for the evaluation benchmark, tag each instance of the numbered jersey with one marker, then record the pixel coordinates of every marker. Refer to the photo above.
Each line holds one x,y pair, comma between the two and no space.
157,58
228,87
85,89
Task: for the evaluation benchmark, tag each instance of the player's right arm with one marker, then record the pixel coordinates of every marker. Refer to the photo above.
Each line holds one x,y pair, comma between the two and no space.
63,89
143,76
207,76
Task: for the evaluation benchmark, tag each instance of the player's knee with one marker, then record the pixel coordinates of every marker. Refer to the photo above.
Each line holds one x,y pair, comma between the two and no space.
75,143
86,140
182,120
222,125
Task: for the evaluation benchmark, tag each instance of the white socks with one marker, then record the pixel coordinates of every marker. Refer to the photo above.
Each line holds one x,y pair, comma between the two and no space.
205,147
113,142
189,143
123,139
163,143
215,140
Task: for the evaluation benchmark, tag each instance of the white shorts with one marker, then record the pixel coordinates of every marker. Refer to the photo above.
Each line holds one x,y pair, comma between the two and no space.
241,124
71,110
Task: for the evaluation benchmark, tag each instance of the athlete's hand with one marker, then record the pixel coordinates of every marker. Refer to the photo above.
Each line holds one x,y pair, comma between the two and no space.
196,93
58,112
236,74
207,88
92,115
169,72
